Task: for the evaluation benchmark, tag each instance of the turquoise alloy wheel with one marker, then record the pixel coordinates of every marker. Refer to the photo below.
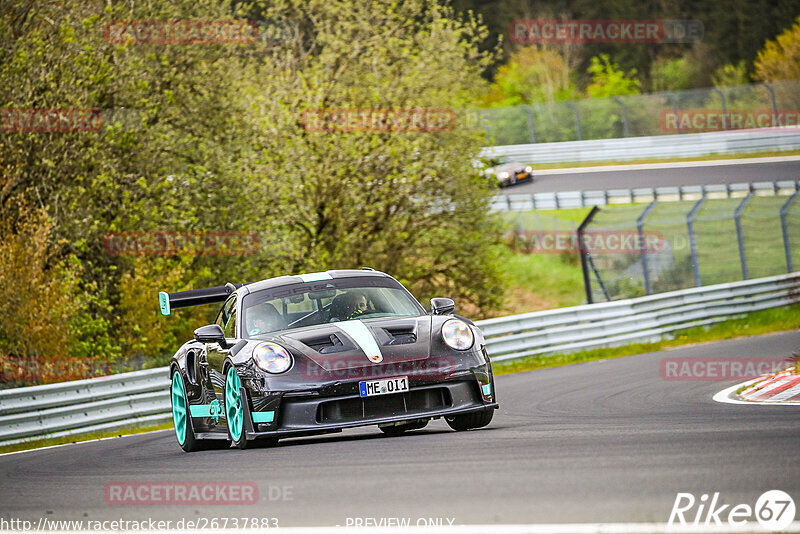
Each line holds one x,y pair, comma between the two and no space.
179,407
233,404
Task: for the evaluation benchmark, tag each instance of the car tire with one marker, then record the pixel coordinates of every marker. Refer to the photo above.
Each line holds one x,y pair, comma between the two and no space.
235,405
512,180
470,420
396,430
181,415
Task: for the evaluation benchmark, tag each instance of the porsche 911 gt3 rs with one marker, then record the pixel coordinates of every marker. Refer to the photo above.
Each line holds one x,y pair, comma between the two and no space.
321,352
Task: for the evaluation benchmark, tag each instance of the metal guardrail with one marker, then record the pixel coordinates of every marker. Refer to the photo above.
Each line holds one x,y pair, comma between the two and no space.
641,319
660,146
584,199
85,406
142,397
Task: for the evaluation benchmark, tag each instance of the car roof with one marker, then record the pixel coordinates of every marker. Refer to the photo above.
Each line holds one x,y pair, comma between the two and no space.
307,277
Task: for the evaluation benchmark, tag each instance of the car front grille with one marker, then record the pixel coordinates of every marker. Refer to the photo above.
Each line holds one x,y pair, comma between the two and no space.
407,403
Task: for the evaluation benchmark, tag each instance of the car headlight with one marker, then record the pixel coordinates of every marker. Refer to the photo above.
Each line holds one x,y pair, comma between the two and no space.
528,169
503,174
457,334
272,358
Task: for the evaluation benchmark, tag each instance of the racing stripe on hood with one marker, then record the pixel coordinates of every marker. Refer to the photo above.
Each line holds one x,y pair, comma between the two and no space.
363,337
315,277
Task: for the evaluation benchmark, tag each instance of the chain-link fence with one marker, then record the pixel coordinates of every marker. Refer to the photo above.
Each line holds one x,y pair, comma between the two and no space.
742,107
633,251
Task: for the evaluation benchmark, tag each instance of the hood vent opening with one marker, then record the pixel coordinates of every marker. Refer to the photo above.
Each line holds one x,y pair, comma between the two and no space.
398,335
328,344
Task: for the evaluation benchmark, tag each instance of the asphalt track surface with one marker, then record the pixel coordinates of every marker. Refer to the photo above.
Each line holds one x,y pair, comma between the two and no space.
606,441
629,179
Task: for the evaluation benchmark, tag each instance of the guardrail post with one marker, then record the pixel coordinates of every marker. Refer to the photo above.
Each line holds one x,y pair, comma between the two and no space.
625,129
529,116
737,218
674,101
724,111
787,247
693,242
587,282
775,120
574,108
643,249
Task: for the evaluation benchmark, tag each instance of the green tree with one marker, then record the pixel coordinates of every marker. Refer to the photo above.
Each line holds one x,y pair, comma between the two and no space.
211,138
779,59
408,203
531,75
731,75
609,80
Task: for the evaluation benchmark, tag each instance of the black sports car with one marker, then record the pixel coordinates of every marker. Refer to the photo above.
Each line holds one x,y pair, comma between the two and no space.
316,353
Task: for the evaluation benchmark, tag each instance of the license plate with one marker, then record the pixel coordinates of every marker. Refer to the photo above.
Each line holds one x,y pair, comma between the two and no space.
385,386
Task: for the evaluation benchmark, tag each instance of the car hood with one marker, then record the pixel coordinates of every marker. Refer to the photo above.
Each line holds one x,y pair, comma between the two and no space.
510,167
362,342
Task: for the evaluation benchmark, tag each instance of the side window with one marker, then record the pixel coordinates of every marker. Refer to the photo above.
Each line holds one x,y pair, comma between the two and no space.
228,316
221,317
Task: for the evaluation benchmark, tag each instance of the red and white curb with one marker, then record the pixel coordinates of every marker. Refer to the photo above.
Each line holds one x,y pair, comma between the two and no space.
782,388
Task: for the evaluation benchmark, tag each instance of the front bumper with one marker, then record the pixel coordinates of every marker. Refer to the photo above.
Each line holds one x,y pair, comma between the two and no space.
308,415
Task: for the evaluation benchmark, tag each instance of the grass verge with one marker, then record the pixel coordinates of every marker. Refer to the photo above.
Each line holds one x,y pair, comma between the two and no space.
761,322
49,442
541,282
709,157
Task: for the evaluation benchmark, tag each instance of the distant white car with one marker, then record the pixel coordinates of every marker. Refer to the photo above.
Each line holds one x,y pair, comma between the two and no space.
508,172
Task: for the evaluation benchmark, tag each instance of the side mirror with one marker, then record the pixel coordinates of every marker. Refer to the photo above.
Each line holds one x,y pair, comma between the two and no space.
442,306
211,333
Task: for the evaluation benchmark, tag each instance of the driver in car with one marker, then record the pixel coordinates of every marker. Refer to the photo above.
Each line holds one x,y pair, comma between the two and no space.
263,318
348,306
358,305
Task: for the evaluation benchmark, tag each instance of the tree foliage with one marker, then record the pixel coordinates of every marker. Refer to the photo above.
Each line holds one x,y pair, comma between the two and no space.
609,80
780,58
210,137
532,74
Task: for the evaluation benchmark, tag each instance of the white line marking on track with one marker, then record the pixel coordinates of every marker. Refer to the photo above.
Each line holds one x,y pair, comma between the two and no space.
80,443
668,165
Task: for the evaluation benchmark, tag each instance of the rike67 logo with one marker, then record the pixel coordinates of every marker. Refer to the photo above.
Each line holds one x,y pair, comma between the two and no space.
774,511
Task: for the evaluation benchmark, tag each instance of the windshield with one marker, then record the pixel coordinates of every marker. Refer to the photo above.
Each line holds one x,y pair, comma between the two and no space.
304,304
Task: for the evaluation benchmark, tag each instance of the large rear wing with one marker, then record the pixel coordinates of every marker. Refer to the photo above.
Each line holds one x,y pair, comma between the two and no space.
194,297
